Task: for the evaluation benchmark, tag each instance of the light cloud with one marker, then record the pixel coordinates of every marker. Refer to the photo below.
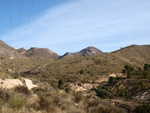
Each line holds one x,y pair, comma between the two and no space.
75,25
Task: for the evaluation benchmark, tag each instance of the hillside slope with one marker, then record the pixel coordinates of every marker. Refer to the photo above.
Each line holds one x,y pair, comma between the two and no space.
21,50
134,54
93,67
42,53
7,52
89,51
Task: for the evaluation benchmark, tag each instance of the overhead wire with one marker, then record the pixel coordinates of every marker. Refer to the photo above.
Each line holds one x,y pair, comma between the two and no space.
19,19
10,17
29,19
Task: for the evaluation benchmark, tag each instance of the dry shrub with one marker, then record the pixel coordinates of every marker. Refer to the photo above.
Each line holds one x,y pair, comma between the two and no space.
39,90
45,103
100,106
6,109
78,97
56,99
17,101
22,89
4,94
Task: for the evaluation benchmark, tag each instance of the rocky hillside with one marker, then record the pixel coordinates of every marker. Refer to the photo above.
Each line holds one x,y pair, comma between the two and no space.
9,52
21,50
43,53
89,51
134,54
67,55
93,67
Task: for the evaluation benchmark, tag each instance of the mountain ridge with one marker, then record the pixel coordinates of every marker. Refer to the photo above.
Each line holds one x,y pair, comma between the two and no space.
43,53
7,51
88,51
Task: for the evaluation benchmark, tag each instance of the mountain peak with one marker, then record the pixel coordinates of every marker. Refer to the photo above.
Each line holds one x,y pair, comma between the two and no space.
89,51
6,52
21,50
44,53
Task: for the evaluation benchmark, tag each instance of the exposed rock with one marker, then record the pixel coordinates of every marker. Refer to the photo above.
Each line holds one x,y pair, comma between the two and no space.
21,50
10,83
142,96
105,79
83,87
9,52
29,84
89,51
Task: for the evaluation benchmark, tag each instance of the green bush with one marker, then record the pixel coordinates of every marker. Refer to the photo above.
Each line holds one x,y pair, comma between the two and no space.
121,92
81,71
44,76
60,83
68,89
111,79
139,71
128,70
102,93
146,75
142,85
69,79
143,109
146,67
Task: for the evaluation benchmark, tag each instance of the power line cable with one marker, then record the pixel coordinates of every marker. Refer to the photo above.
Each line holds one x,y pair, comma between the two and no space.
29,19
19,19
10,18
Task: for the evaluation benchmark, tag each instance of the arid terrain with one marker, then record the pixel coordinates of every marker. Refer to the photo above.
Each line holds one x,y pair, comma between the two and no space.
38,80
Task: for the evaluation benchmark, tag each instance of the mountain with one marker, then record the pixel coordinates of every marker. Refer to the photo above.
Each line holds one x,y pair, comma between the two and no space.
89,51
134,54
9,52
95,66
67,55
43,53
21,50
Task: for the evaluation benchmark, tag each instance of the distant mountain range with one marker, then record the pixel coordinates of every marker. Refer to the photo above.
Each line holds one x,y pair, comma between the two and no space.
45,53
133,52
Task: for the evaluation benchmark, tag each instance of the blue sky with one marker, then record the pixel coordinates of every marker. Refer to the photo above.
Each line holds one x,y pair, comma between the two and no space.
71,25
